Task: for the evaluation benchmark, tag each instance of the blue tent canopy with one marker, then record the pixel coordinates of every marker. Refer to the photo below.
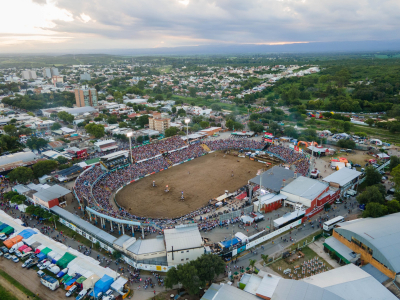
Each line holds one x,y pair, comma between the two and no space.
103,284
70,281
2,226
41,256
27,233
229,243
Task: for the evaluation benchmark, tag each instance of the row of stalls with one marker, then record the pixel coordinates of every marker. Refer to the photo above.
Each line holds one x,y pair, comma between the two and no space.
70,266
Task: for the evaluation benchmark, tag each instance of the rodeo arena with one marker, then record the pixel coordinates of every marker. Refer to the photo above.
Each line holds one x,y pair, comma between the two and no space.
172,200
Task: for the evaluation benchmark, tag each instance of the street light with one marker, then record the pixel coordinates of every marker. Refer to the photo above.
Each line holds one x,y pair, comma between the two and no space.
129,134
187,121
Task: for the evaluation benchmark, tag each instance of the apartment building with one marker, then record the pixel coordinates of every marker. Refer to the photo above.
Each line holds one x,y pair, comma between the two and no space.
158,123
86,97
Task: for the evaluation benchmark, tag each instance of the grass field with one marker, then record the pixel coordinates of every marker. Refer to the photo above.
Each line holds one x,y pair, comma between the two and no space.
18,285
6,295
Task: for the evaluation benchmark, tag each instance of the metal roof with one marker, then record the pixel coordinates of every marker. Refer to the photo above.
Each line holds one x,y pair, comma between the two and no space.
374,272
288,289
83,225
121,240
19,156
80,110
147,246
305,187
340,248
343,176
382,235
350,283
51,193
273,178
182,238
267,286
226,292
71,170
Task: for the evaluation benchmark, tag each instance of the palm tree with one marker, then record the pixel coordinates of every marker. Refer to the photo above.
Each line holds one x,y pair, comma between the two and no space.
252,262
264,258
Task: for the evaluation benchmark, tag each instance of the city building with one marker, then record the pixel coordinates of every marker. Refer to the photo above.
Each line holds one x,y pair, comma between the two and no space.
28,74
86,97
310,194
44,125
157,122
377,240
85,76
19,159
344,179
106,145
50,72
183,244
57,79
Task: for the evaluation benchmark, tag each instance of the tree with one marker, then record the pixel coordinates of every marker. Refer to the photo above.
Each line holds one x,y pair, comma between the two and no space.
370,122
192,92
66,117
257,128
10,130
371,194
9,195
143,120
208,267
215,107
112,119
348,144
252,262
116,254
196,127
189,278
264,257
372,176
394,162
173,109
291,132
346,126
18,199
181,112
44,167
171,131
21,174
374,210
122,124
95,129
393,206
36,143
56,126
159,97
61,160
204,124
171,278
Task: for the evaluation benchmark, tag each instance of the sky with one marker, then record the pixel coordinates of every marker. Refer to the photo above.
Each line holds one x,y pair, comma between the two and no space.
71,25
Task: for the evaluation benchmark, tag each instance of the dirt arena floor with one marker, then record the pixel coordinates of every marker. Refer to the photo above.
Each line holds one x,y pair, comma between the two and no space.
201,179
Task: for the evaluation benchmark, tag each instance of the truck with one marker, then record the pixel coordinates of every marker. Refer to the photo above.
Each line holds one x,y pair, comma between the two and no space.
50,282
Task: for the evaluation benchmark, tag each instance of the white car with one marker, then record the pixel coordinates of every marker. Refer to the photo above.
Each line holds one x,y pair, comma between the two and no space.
18,254
45,265
27,262
7,255
14,259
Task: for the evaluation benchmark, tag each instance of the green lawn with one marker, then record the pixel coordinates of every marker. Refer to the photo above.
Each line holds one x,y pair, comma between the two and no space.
6,295
18,285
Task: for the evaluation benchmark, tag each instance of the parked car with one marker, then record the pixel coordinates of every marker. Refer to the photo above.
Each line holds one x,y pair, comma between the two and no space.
4,249
71,290
27,262
15,259
45,265
40,273
31,265
18,254
7,255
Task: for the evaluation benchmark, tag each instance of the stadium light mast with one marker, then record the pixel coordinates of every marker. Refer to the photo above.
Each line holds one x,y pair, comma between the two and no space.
129,134
187,121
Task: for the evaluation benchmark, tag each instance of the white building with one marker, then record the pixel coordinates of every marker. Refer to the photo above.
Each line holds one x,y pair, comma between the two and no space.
183,244
28,74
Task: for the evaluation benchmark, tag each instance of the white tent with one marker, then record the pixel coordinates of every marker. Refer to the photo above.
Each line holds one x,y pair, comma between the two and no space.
90,282
22,207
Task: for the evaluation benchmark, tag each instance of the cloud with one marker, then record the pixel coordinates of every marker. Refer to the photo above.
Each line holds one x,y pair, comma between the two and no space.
140,24
41,2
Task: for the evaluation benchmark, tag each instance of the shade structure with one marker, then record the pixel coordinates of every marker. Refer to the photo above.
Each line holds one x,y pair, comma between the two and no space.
65,260
22,247
3,225
26,250
90,282
11,242
41,256
27,233
46,251
103,284
8,230
80,279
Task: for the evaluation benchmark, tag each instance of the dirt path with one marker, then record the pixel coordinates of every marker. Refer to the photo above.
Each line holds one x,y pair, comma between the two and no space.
30,280
12,289
201,179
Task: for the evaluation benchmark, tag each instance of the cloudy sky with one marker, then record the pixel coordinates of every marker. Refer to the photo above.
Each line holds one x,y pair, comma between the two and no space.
65,25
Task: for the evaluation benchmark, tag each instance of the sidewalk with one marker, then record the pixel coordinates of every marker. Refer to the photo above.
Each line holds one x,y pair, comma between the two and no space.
318,248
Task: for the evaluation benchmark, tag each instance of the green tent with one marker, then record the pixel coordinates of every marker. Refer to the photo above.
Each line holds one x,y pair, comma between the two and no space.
65,260
81,279
46,251
8,230
65,278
